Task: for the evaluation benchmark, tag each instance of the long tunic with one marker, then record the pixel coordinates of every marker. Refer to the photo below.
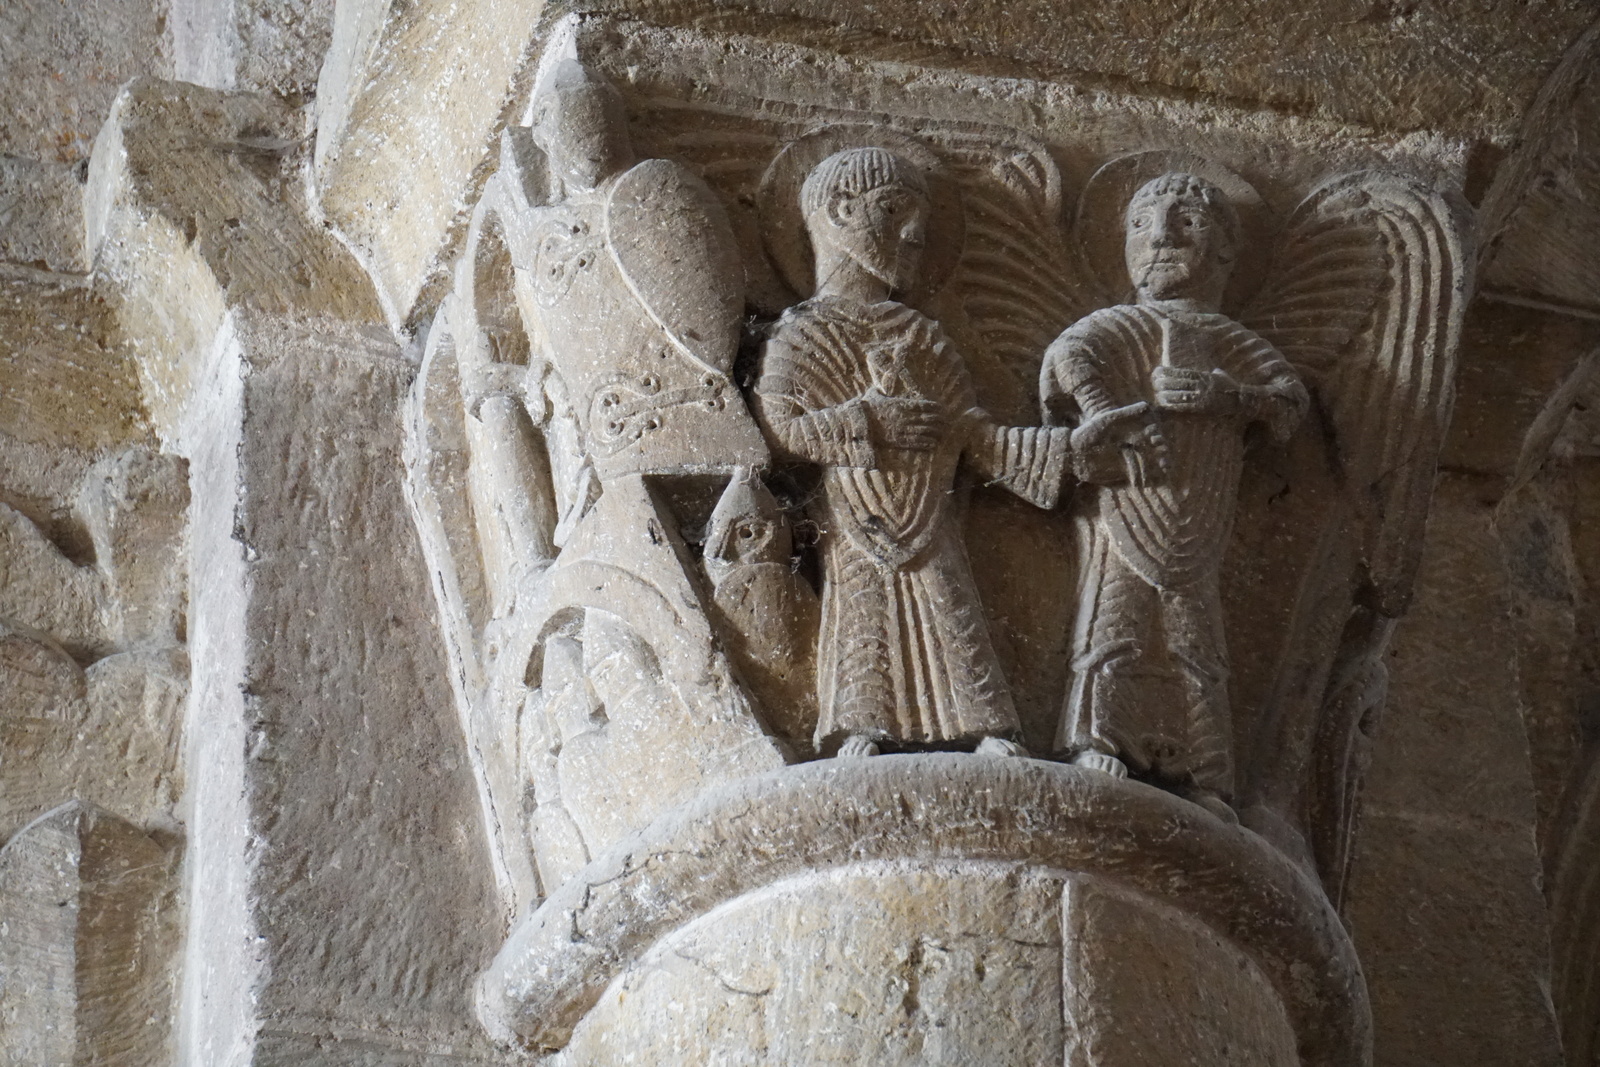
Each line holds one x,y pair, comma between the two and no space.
1150,661
904,653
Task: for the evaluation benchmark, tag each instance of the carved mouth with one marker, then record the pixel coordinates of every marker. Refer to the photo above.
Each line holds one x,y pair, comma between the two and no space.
1164,270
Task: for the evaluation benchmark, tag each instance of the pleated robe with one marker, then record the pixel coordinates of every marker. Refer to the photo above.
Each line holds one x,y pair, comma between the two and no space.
904,654
1150,660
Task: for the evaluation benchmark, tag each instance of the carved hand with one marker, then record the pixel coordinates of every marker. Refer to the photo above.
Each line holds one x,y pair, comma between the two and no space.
1123,445
911,423
1196,392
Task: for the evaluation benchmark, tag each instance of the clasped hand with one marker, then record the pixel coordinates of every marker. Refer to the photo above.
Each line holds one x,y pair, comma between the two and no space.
906,422
1120,446
1196,392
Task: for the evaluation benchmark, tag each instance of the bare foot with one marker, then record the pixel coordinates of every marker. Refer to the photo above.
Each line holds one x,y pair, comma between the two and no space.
999,746
1091,760
856,746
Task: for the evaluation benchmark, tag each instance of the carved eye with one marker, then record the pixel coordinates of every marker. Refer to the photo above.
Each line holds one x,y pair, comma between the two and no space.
1140,221
747,533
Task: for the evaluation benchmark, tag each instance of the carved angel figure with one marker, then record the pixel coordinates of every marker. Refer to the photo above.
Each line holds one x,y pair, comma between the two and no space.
1363,301
872,391
1149,659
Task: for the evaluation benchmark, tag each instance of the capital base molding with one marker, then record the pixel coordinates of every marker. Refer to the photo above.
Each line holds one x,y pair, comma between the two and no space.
851,839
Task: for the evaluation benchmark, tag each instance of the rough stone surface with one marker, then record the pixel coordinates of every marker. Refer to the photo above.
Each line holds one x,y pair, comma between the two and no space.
989,808
672,531
944,964
1147,984
1379,66
88,935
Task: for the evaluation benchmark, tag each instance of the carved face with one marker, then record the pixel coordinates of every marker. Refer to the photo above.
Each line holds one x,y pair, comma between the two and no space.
883,230
747,526
1178,245
579,124
754,539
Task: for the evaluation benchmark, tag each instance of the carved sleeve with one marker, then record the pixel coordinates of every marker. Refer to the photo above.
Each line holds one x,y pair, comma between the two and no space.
1072,378
837,435
1031,461
1271,389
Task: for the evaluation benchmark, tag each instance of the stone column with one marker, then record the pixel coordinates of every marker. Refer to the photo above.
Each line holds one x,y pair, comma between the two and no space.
329,792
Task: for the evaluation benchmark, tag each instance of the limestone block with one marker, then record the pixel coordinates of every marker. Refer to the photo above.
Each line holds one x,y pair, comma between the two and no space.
61,64
892,964
900,963
42,205
1147,986
329,786
354,870
696,865
70,387
1351,62
94,656
88,932
197,204
1539,213
109,735
275,46
1446,900
421,87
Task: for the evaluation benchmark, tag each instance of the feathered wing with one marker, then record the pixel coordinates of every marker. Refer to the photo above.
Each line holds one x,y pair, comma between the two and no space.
1365,298
1016,279
1370,283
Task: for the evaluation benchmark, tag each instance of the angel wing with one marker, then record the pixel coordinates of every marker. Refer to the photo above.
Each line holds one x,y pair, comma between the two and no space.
1016,279
1365,298
1370,283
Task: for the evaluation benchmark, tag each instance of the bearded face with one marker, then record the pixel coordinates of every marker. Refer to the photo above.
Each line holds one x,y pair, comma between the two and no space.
1178,246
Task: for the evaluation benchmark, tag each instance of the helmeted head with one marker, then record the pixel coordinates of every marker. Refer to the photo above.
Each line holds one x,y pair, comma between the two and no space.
747,525
579,122
1182,239
870,206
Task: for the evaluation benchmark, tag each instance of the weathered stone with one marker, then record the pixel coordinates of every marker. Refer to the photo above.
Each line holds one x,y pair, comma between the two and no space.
669,531
88,932
735,839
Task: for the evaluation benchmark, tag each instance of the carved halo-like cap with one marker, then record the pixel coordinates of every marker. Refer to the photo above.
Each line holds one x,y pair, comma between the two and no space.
1103,210
803,172
857,171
